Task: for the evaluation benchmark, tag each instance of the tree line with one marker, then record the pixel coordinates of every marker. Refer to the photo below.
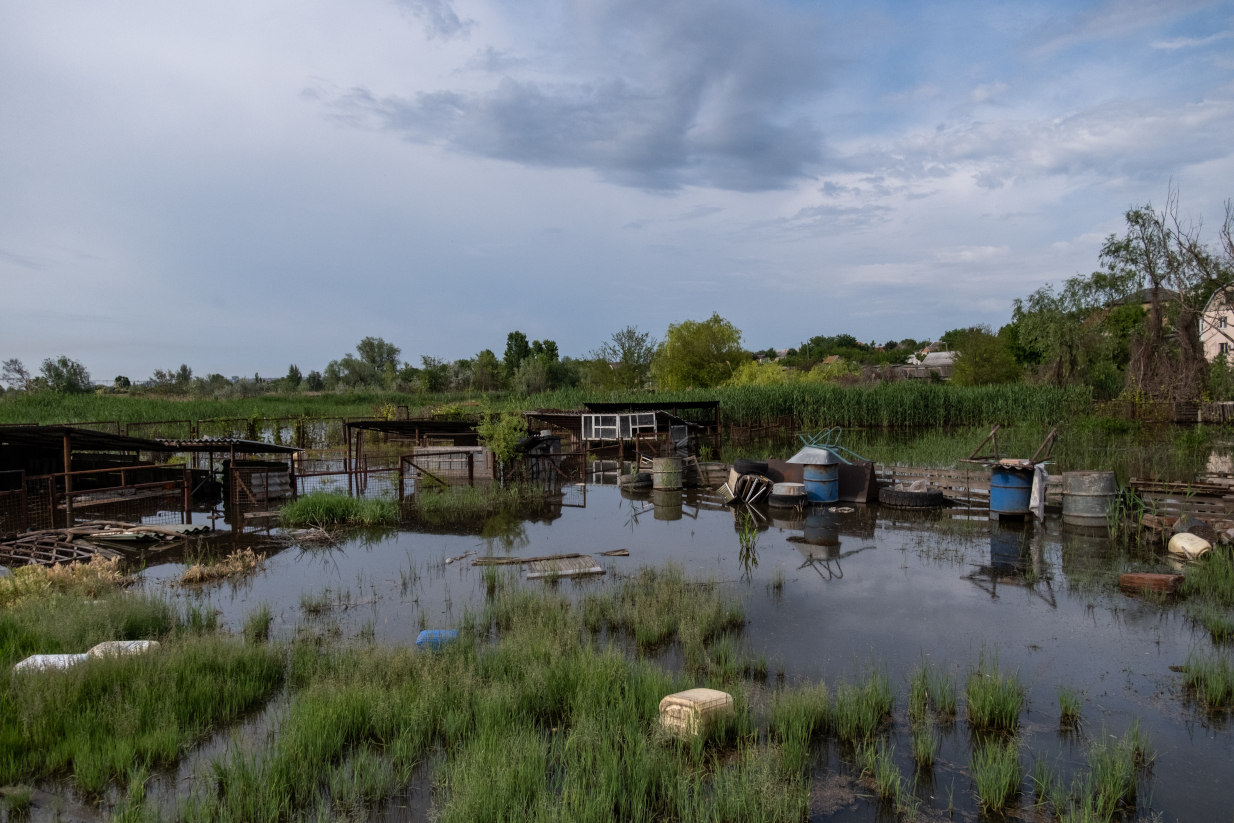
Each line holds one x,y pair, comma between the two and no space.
1129,329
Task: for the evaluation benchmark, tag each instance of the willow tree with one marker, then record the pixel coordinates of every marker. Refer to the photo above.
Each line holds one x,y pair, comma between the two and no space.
698,354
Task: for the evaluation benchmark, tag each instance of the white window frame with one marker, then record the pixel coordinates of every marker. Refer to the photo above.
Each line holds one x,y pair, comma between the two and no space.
618,426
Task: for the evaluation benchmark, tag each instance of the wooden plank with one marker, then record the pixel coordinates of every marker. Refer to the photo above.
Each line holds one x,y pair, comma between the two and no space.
1167,583
515,561
564,567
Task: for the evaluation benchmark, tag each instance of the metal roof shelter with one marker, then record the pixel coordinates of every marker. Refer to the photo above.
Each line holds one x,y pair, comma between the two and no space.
217,445
52,437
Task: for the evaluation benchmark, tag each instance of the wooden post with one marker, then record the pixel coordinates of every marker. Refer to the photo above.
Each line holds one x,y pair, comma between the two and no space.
68,482
25,506
719,435
471,468
187,515
347,459
401,493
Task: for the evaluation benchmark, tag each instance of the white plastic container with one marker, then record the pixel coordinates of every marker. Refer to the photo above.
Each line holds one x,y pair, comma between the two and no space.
44,662
691,713
117,648
1188,545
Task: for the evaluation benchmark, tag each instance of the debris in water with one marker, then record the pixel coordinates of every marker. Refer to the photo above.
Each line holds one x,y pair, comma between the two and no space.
616,553
689,713
564,567
436,637
460,557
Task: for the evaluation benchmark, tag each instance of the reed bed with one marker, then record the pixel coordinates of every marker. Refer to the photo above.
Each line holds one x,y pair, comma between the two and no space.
96,578
321,509
1070,703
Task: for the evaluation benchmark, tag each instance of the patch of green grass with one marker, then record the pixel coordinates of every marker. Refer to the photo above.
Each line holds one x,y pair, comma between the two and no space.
321,509
1218,620
925,746
1070,702
997,774
257,624
542,722
862,708
930,687
94,720
1211,679
17,800
993,699
469,504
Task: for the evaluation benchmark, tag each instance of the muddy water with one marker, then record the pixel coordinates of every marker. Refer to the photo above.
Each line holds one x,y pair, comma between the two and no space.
870,586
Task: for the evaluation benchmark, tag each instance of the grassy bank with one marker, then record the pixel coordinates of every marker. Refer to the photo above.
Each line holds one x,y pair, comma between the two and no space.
903,404
101,718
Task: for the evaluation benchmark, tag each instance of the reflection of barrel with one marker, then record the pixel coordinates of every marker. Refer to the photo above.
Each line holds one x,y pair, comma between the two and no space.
1010,490
791,519
822,483
1087,497
822,529
636,492
666,503
1006,547
666,472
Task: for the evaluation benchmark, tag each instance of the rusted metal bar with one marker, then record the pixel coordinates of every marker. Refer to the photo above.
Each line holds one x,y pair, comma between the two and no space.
187,515
471,469
68,480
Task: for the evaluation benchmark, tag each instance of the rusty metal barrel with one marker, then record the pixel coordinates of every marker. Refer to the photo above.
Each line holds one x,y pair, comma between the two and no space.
1087,497
666,472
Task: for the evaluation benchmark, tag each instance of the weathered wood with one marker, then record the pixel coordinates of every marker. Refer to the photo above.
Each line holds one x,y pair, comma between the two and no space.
1167,583
516,561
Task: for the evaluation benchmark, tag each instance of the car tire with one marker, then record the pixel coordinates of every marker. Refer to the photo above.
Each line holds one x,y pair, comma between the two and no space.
931,499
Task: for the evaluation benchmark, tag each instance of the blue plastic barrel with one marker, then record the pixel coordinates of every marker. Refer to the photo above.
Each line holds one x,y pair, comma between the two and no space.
435,637
822,483
1010,490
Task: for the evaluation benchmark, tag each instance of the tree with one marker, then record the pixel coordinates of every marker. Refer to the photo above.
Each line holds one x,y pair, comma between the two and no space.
984,358
625,361
486,371
532,377
698,354
517,350
293,379
121,382
314,382
66,376
184,376
377,353
434,374
14,375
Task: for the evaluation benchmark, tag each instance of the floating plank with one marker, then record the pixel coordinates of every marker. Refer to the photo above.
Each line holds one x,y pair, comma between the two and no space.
564,567
516,561
1167,583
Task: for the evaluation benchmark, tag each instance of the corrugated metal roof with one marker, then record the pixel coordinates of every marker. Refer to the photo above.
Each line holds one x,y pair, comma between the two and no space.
88,440
222,444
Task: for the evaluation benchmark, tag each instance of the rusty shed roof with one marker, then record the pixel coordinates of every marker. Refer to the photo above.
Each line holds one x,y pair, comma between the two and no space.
88,440
222,444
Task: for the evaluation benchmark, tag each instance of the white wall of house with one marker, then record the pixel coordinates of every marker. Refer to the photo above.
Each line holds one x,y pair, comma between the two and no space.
1217,327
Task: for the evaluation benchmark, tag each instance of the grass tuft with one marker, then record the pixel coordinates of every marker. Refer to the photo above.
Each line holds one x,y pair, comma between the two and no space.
997,773
993,700
321,509
1070,702
1211,679
101,576
236,564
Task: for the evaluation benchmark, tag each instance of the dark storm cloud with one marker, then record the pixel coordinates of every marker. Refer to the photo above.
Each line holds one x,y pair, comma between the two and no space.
667,94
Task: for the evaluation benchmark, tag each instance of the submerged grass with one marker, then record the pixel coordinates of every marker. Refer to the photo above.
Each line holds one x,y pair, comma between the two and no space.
1211,678
236,564
467,504
997,773
1070,702
545,723
320,509
993,699
98,577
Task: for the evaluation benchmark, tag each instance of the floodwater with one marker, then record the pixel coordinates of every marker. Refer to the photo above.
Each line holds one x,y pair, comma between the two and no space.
870,586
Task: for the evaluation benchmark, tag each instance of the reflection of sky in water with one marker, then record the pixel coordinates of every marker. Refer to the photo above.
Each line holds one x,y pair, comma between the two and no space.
871,585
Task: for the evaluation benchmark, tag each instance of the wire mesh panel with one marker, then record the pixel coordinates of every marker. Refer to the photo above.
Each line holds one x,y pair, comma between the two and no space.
452,466
161,429
12,512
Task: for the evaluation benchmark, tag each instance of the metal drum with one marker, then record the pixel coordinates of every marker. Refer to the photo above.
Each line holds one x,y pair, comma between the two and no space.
1010,490
1087,496
666,472
822,483
666,504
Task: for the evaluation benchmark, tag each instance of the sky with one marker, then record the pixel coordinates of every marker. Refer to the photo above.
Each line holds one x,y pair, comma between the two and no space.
241,185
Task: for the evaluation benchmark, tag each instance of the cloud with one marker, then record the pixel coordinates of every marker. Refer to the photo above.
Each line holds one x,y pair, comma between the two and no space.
1190,42
674,94
1136,138
970,254
1111,19
439,18
694,213
20,260
491,60
988,92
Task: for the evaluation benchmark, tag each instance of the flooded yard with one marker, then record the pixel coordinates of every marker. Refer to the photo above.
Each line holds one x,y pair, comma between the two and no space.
828,595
